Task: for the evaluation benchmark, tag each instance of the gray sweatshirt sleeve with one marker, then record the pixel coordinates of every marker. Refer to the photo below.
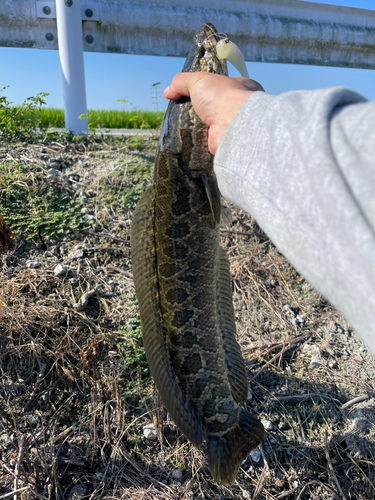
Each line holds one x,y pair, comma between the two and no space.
303,165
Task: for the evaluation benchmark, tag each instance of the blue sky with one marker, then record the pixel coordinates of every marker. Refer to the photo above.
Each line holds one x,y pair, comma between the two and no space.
122,76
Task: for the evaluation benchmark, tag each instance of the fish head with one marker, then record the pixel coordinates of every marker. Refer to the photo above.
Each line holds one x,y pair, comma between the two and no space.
202,55
182,132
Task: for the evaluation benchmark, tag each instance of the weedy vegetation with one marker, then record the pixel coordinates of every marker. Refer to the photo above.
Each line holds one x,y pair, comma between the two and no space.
38,208
21,122
75,388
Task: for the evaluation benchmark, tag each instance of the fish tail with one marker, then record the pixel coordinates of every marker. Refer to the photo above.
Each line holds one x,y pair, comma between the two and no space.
225,453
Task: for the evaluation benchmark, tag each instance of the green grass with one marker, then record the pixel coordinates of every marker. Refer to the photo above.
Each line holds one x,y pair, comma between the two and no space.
34,208
21,122
106,118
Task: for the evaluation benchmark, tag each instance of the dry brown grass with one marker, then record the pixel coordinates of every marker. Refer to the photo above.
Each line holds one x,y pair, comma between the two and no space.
74,398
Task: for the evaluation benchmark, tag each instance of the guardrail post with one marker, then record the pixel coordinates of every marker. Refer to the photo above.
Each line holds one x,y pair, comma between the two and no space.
69,33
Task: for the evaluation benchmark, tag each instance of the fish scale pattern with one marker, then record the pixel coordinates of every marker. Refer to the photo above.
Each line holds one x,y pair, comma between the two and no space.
182,282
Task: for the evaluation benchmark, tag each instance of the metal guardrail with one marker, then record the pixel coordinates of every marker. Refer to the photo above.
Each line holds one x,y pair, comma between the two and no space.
283,31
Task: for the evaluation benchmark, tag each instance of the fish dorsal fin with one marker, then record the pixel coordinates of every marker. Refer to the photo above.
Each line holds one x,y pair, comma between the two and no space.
144,267
234,361
213,195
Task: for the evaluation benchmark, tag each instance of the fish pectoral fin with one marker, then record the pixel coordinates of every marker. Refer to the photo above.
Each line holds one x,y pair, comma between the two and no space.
234,361
226,217
144,265
214,197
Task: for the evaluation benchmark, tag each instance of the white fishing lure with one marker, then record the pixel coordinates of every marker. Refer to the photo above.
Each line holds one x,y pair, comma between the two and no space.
228,50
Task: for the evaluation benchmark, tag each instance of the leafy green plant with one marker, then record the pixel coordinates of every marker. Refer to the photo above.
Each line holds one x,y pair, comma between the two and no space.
36,208
130,342
135,143
20,122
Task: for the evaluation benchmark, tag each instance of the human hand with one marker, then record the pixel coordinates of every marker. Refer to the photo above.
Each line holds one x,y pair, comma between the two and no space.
215,98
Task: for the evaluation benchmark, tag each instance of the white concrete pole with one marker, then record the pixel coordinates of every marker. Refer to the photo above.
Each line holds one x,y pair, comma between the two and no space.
69,34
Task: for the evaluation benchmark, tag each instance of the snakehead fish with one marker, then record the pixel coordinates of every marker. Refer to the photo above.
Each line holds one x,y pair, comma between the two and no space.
182,283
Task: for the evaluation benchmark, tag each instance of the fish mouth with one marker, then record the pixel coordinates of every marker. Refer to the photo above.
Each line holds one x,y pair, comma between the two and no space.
203,55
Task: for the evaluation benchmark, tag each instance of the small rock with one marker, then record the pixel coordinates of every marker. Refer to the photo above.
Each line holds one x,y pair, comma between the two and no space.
5,441
32,419
45,397
90,217
86,164
312,350
33,264
60,270
53,172
78,492
76,254
112,353
249,394
73,176
149,432
315,363
255,455
332,364
85,210
72,280
177,474
299,319
267,424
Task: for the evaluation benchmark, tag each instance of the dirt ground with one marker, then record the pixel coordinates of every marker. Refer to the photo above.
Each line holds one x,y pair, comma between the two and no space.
75,389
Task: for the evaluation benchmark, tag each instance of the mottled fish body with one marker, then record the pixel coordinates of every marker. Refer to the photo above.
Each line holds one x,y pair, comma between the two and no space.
182,282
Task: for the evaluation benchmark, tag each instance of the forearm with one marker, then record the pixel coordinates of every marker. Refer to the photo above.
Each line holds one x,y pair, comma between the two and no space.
302,164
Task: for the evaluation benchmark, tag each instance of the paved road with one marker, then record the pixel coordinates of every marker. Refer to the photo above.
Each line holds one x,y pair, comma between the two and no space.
119,131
